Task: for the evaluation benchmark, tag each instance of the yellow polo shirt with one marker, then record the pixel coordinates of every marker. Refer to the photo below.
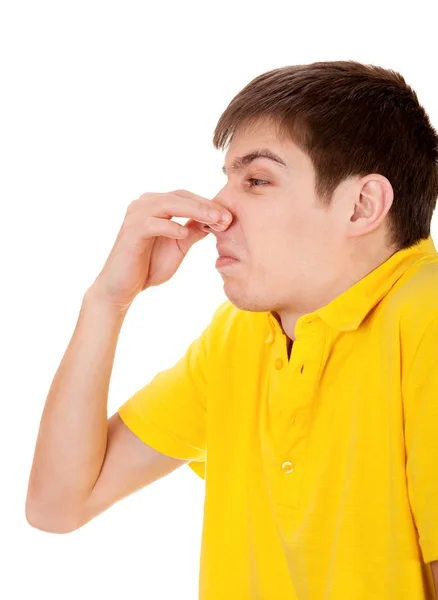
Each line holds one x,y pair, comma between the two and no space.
321,473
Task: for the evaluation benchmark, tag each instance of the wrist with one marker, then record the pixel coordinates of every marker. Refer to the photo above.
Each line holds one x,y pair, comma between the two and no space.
96,297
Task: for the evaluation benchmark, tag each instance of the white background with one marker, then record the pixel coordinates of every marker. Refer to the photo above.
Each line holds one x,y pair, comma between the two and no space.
101,102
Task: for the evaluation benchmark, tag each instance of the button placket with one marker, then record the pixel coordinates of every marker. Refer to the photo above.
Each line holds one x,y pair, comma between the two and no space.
285,376
294,413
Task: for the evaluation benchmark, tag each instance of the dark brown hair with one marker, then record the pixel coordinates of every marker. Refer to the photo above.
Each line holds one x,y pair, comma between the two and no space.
351,119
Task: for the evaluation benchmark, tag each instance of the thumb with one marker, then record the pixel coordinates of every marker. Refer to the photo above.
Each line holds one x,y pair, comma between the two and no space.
196,233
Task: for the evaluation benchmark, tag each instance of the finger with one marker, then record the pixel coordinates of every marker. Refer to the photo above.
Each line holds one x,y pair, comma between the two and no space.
195,234
173,205
187,194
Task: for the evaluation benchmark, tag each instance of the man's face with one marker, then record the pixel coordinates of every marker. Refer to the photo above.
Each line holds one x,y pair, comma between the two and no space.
290,250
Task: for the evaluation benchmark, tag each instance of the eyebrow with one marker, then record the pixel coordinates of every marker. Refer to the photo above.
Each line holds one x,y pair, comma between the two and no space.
242,161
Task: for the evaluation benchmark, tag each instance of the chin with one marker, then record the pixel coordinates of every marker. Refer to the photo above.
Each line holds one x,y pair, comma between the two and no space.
247,302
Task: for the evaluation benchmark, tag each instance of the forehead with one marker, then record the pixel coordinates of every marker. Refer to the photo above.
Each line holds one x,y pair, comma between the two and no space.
260,134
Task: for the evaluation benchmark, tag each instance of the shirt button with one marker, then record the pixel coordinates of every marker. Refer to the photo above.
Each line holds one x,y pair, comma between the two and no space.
278,363
287,466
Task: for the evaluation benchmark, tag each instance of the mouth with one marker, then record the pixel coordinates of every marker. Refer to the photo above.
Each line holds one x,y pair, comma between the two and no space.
226,261
224,252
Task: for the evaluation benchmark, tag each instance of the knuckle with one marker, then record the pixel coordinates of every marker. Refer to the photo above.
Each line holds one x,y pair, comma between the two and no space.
139,201
132,206
166,204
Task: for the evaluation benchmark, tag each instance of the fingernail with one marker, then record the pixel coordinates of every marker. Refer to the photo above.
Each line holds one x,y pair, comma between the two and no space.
214,213
225,218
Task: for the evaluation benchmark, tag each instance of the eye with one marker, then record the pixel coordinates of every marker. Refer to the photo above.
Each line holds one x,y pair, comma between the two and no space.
253,179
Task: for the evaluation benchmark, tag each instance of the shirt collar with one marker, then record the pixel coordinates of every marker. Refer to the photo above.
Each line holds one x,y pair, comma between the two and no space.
347,311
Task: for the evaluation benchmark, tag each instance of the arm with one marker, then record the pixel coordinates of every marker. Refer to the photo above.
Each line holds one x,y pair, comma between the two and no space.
75,435
72,435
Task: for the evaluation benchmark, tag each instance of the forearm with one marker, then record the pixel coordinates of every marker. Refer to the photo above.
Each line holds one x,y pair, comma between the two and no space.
71,441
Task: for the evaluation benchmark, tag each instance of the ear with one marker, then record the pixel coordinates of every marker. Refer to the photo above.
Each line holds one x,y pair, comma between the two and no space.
374,200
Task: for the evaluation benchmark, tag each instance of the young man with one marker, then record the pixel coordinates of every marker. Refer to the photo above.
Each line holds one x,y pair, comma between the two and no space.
310,403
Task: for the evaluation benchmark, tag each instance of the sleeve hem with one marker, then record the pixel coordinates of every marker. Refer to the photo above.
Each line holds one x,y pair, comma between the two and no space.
429,549
157,438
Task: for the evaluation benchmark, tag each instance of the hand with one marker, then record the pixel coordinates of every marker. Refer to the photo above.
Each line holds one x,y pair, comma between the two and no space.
150,246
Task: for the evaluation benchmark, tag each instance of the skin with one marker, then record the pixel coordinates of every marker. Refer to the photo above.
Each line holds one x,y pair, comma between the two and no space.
294,256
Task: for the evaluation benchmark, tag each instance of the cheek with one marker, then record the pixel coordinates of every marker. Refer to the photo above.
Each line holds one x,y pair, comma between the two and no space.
275,234
275,244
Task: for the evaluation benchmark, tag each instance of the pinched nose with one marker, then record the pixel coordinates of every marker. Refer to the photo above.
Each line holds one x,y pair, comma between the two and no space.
225,219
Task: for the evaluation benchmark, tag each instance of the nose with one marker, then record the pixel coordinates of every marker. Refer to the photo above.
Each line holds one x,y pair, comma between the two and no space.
222,204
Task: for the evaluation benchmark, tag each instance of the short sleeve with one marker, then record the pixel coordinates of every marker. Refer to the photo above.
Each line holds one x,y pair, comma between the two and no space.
169,413
420,397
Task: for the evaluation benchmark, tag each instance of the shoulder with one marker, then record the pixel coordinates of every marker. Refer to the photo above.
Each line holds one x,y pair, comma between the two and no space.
415,298
415,305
